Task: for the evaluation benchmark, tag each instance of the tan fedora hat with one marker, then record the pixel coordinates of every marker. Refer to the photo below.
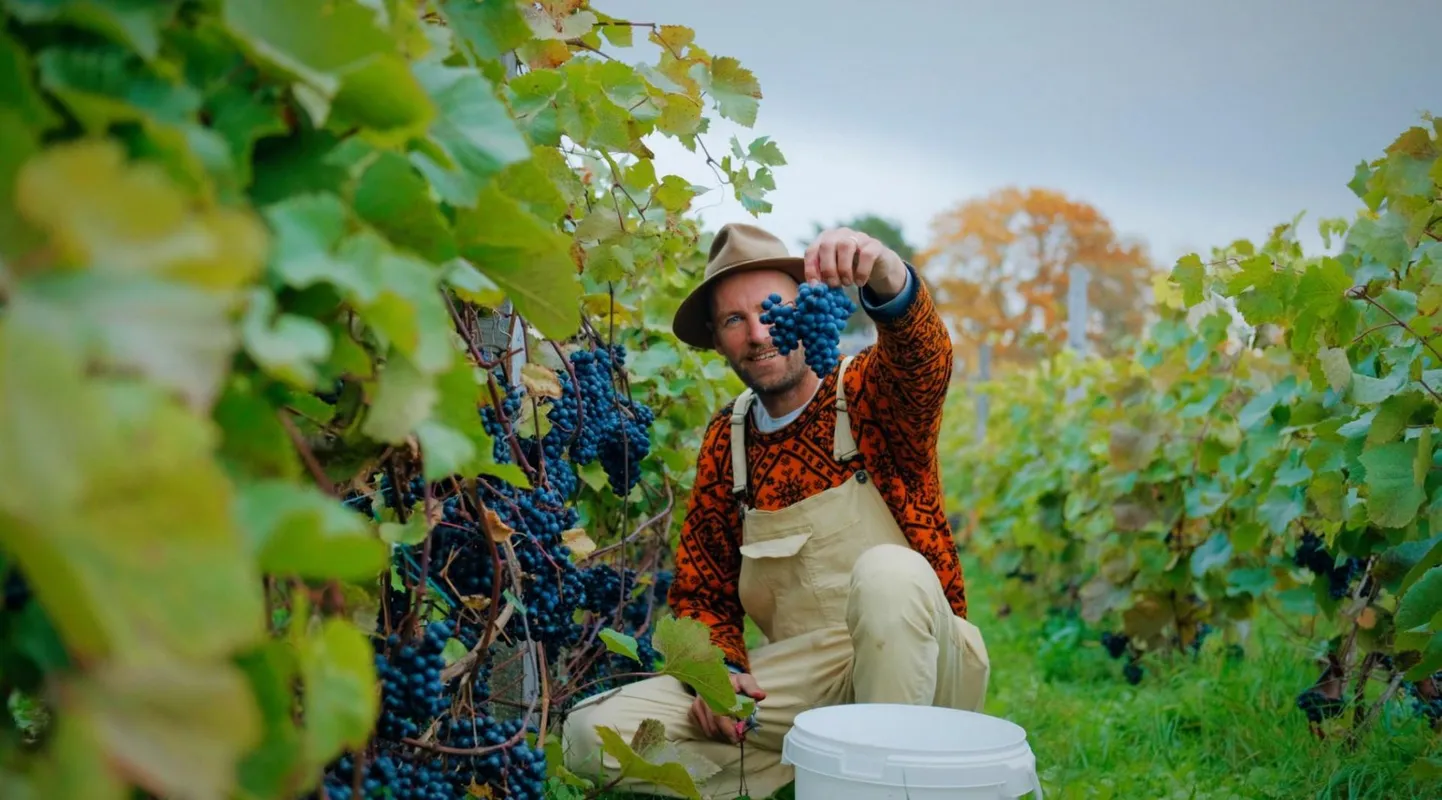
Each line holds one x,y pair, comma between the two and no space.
738,247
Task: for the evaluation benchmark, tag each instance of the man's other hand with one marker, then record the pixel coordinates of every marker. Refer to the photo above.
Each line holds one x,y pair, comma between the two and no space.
719,727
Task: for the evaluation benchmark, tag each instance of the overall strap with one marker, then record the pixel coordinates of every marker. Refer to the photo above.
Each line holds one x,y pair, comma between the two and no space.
738,440
843,446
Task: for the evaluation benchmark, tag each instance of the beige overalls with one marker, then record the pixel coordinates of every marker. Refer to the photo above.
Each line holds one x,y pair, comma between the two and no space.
851,614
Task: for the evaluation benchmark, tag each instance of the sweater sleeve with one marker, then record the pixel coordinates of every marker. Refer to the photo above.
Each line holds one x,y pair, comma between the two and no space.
910,372
708,557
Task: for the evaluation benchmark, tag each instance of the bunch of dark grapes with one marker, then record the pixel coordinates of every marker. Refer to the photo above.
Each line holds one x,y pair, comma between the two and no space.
1115,643
1132,672
394,777
1312,556
624,444
516,771
412,693
814,321
1317,706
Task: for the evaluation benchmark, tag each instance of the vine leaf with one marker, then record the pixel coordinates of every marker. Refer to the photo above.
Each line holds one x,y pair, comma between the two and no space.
635,766
1421,603
620,643
353,70
735,88
174,727
145,531
287,346
690,656
472,140
296,530
492,29
527,258
404,398
177,335
134,24
1394,492
341,703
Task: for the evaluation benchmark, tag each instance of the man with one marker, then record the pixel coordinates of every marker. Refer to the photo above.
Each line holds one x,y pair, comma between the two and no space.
817,511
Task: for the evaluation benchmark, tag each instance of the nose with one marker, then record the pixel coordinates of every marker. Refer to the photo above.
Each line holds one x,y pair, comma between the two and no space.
758,331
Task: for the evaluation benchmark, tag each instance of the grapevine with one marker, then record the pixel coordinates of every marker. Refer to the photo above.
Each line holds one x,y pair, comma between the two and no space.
1270,447
813,322
335,330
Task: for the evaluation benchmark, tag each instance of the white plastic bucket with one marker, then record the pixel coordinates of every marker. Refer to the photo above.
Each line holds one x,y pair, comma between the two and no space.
879,751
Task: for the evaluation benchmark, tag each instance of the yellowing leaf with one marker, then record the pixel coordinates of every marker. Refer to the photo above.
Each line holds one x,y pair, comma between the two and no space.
578,542
103,213
540,380
179,729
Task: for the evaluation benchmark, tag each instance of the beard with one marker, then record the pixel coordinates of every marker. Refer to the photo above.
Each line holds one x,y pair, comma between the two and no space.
764,379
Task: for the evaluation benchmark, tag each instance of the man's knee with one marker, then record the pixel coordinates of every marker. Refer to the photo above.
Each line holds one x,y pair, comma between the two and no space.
889,568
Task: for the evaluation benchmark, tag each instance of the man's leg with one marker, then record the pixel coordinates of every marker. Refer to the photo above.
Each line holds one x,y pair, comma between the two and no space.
909,646
800,673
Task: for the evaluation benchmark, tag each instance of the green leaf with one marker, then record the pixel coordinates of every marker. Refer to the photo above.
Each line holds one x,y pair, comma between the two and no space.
1369,391
733,86
1421,603
620,643
675,193
176,727
354,69
287,346
1430,663
1189,273
404,398
396,201
102,213
1336,367
1215,552
18,93
1393,491
179,336
671,775
1382,239
474,134
492,28
1393,416
409,313
136,23
341,702
525,257
412,532
685,645
296,530
142,558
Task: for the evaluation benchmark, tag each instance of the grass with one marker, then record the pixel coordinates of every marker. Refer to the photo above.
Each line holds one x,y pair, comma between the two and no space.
1204,727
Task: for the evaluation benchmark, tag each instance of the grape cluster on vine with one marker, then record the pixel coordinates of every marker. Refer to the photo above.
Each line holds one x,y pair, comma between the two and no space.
814,321
1312,555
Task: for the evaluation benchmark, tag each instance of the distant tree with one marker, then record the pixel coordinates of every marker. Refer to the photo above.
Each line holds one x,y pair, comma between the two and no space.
889,233
1000,266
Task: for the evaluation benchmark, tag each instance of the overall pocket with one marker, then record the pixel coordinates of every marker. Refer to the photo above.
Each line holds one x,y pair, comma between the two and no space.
775,578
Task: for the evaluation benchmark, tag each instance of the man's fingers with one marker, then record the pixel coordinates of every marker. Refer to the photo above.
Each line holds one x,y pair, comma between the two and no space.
866,261
845,260
826,261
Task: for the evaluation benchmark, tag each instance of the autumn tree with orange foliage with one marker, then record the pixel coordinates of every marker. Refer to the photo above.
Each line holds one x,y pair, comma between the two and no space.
1000,269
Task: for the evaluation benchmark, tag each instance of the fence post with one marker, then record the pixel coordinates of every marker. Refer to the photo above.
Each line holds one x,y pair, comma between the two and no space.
505,332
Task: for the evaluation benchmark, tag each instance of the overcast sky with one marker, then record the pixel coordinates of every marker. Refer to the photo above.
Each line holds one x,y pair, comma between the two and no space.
1188,124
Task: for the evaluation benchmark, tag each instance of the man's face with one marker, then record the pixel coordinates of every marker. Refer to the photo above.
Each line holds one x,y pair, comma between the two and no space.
745,340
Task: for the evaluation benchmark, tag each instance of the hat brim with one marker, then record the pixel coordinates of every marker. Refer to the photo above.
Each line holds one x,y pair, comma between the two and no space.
690,321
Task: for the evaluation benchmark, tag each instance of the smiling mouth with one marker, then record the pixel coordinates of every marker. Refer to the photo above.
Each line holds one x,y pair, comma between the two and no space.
766,356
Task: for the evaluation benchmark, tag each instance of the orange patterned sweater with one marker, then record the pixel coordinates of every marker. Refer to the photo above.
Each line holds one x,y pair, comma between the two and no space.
896,389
